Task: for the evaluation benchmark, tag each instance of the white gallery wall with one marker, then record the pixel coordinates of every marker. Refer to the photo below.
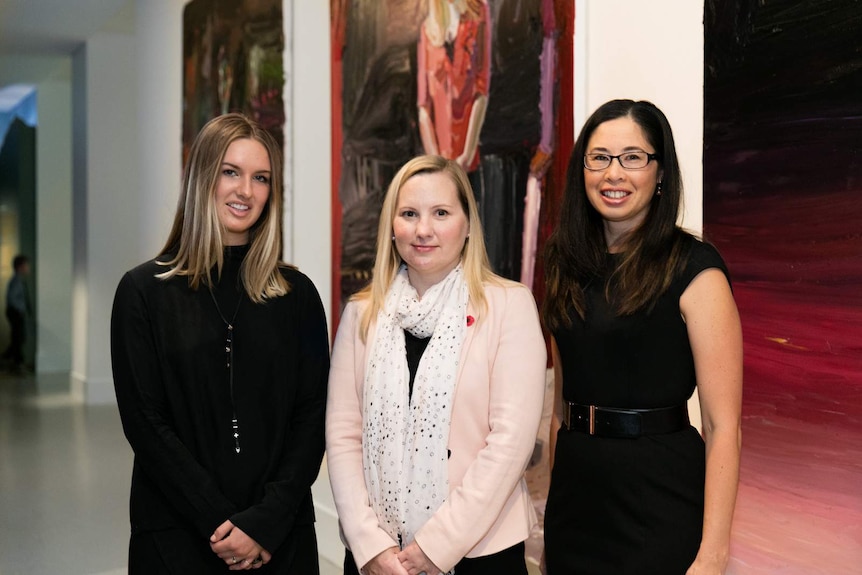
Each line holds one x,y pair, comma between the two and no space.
107,224
158,26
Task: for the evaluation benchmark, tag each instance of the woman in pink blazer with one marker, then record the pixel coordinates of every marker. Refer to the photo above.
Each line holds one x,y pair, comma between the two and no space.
435,393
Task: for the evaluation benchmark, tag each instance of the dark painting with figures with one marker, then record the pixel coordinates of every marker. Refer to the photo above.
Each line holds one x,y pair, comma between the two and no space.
233,62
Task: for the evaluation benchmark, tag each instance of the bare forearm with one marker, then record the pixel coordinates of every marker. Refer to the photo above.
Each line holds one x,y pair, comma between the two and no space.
722,478
474,128
426,132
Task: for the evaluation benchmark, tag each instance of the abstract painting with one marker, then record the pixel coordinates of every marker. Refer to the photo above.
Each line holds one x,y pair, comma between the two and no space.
782,189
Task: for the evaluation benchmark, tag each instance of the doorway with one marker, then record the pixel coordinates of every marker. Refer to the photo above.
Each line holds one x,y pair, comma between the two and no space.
18,223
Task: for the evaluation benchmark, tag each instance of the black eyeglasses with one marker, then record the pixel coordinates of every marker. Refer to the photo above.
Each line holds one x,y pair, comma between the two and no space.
628,160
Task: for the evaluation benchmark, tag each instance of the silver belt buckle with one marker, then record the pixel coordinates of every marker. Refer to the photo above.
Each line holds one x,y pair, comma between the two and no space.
567,417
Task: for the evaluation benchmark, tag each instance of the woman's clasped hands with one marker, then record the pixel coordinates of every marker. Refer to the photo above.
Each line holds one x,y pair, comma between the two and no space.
239,551
410,561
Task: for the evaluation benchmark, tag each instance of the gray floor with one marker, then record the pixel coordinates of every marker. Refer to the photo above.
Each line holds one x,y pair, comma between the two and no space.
64,480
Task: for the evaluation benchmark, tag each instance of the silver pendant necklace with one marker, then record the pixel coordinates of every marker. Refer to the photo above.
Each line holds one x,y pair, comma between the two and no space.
228,348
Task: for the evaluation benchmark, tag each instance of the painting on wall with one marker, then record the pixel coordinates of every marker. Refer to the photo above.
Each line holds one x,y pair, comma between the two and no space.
233,62
485,83
782,184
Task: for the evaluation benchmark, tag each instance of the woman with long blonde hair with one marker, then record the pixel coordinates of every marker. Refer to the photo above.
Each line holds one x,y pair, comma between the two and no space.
220,359
435,393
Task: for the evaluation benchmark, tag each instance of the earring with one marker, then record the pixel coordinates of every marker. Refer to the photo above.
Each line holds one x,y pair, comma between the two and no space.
658,189
393,237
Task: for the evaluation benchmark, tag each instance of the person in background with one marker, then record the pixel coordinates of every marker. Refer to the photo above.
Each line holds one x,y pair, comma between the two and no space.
435,393
641,313
220,359
17,311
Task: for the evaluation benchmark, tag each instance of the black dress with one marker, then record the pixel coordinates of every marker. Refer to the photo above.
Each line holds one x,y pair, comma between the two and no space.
168,349
628,506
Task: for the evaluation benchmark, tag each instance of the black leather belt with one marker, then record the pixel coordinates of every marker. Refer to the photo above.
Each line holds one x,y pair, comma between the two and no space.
631,423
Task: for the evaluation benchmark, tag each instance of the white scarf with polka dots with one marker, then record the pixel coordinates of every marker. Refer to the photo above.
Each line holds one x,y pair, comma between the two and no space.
405,440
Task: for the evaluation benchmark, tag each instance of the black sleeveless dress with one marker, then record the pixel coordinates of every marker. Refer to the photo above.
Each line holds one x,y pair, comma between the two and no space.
628,506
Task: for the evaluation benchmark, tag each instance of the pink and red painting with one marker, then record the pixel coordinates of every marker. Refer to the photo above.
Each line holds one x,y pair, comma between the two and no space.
782,189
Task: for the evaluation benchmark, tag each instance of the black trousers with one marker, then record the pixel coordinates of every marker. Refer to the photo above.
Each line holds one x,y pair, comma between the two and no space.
15,351
506,562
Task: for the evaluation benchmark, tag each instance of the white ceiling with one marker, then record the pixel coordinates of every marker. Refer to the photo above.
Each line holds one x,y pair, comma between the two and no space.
37,27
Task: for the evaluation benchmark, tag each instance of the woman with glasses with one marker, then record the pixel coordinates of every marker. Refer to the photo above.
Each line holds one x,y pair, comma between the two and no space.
641,313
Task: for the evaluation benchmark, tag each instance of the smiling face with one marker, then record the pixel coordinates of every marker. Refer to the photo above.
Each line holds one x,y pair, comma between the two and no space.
430,228
242,190
622,197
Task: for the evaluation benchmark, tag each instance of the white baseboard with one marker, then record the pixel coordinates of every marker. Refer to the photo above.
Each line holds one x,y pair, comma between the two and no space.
92,391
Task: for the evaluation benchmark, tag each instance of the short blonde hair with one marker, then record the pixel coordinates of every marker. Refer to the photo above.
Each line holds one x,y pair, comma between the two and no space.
474,257
196,242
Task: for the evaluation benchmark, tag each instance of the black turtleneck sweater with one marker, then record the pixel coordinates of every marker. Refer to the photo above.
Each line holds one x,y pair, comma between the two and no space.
168,349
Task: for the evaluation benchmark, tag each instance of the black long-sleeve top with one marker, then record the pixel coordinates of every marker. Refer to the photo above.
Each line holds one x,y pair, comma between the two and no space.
168,350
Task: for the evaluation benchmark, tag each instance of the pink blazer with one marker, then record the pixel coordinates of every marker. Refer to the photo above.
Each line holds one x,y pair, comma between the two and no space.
495,417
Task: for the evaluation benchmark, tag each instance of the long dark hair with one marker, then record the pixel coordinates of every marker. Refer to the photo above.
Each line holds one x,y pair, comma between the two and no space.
653,253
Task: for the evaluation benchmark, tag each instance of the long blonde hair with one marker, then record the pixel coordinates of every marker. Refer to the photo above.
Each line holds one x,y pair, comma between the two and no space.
474,258
196,244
